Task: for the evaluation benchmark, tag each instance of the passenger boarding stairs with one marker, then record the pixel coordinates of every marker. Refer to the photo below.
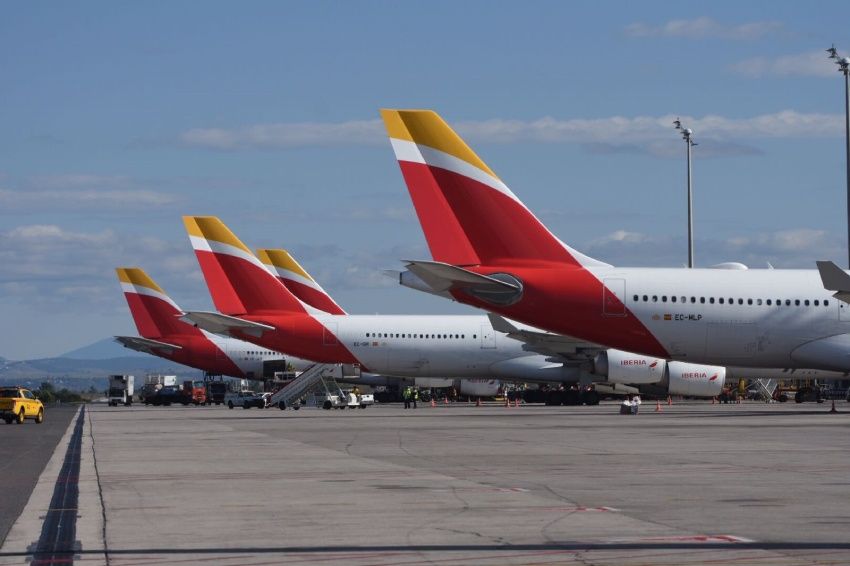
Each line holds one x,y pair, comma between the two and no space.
324,375
766,388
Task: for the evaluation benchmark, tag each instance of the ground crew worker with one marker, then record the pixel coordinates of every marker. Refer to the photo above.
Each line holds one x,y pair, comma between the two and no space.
415,397
406,396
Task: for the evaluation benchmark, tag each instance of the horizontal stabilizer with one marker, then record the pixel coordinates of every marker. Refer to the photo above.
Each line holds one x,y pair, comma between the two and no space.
222,324
146,345
545,343
500,289
835,279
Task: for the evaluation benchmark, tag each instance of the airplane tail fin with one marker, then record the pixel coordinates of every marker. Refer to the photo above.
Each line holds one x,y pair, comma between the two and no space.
154,313
298,281
238,282
468,214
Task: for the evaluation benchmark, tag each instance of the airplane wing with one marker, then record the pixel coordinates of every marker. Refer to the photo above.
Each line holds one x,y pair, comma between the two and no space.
835,279
222,324
546,343
146,345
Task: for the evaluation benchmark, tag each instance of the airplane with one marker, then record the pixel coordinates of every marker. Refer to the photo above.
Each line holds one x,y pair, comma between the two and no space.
490,251
255,306
164,335
306,289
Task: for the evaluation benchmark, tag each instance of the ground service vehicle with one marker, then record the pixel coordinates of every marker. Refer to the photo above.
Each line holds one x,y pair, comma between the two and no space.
18,404
120,390
168,395
216,392
196,391
245,399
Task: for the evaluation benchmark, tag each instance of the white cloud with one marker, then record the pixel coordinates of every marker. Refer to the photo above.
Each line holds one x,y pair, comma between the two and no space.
77,192
809,64
705,28
614,130
791,248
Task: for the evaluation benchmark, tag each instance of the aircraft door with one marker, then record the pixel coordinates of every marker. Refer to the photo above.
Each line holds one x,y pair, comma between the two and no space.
843,311
614,297
488,337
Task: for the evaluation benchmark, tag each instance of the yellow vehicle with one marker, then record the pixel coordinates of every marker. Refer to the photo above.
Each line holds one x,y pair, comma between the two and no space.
18,404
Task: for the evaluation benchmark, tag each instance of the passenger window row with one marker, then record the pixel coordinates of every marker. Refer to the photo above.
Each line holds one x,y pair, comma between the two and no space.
437,336
730,301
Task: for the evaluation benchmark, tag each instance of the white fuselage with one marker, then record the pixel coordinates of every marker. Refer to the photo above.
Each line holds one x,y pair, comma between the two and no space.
748,318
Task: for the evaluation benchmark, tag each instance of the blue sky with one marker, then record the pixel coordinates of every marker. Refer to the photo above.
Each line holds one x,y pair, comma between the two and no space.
119,117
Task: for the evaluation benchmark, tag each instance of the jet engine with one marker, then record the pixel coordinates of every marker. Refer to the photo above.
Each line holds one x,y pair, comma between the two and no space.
674,378
694,380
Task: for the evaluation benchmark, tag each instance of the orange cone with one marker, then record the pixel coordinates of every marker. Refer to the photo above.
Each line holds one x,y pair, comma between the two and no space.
669,400
657,406
516,402
446,400
478,402
433,403
713,400
507,401
833,409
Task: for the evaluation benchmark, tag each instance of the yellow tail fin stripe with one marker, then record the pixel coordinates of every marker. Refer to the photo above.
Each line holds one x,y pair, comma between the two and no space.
211,228
426,127
137,276
282,259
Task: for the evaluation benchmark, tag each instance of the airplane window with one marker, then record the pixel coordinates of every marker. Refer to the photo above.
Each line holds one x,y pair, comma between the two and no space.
797,303
826,303
693,300
475,335
806,302
711,300
749,302
720,300
758,302
396,335
664,299
769,302
702,300
645,298
635,298
817,302
787,302
684,299
673,298
654,298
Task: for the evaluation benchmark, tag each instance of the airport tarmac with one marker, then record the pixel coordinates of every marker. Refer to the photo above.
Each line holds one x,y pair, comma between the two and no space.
694,484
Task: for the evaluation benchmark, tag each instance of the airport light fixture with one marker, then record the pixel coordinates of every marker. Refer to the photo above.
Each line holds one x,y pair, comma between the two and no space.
843,65
687,135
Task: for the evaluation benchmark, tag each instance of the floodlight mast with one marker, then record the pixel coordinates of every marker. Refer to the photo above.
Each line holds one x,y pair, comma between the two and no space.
687,135
844,67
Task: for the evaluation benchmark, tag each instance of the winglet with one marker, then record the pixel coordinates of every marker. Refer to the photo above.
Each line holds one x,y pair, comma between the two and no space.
835,279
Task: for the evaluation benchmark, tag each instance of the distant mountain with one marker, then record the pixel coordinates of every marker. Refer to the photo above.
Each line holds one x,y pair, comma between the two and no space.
102,350
68,368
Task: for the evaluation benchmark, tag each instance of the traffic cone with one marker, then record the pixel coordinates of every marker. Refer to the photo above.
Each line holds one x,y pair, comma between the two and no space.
516,402
669,400
507,401
446,400
657,406
433,403
713,400
833,409
478,402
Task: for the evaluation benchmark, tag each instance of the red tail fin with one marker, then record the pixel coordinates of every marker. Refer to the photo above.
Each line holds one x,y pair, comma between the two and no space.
238,281
467,213
154,313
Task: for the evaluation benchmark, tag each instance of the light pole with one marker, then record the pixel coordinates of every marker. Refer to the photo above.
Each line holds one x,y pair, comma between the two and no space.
843,64
687,135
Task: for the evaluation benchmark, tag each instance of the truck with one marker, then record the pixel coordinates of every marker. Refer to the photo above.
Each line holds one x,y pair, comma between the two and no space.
153,383
216,392
120,390
195,391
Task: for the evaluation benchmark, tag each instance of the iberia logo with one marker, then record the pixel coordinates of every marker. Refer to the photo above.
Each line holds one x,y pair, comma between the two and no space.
653,364
713,377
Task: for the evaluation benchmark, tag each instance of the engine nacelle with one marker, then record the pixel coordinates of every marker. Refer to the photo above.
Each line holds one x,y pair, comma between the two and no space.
694,380
624,367
479,387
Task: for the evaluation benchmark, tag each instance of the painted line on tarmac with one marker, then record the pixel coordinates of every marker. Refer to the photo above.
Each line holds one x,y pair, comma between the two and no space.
58,541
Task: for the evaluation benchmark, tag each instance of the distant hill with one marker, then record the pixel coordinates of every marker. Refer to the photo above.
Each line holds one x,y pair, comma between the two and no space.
102,350
71,369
